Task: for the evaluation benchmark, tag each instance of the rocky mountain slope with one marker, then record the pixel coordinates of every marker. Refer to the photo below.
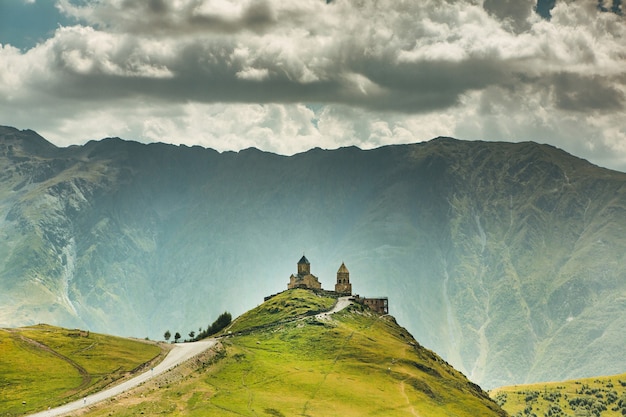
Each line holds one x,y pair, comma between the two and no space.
506,259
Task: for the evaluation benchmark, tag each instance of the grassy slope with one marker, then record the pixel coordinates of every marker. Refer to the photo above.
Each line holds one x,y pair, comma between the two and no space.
599,397
284,307
355,364
46,366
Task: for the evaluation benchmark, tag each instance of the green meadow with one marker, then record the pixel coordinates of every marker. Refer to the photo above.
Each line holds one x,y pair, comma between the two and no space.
355,364
592,397
44,366
285,306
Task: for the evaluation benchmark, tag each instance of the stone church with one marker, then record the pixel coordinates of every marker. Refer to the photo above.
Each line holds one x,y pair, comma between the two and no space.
304,278
343,287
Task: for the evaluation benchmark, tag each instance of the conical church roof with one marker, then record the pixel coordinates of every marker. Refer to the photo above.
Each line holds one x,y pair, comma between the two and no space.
304,260
343,269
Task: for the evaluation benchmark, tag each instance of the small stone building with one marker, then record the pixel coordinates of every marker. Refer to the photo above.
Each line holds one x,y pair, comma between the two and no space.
343,285
304,278
379,305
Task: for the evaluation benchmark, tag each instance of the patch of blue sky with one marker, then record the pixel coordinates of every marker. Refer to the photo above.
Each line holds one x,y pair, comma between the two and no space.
24,24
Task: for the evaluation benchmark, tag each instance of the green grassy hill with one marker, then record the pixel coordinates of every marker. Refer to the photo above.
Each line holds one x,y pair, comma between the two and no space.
43,366
283,361
593,397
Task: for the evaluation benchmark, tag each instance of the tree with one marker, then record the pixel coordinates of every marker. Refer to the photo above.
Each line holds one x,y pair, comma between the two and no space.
192,334
176,337
167,335
222,321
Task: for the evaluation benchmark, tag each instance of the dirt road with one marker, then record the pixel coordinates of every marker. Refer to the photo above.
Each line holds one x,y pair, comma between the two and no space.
179,354
342,302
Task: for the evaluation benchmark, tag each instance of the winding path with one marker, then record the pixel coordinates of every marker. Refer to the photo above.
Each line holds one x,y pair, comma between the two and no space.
179,354
342,302
86,378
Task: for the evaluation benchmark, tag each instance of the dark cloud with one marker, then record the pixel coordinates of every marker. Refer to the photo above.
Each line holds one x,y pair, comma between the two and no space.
579,93
158,6
160,17
377,70
400,71
513,12
257,17
211,72
430,85
152,6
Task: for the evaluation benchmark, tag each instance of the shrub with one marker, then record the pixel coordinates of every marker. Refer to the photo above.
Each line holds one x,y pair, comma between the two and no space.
219,324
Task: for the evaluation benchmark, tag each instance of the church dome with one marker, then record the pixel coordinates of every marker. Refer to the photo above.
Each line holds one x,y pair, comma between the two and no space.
343,269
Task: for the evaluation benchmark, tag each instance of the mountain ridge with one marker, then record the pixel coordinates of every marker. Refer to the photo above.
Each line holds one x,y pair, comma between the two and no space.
511,252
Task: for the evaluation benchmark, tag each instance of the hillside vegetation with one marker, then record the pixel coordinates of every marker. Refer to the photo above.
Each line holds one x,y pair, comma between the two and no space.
507,259
353,364
284,307
589,397
44,366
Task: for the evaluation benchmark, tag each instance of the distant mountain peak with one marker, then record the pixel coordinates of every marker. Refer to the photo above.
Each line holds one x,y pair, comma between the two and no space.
28,141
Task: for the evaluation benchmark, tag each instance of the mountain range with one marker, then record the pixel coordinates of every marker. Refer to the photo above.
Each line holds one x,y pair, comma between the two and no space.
506,259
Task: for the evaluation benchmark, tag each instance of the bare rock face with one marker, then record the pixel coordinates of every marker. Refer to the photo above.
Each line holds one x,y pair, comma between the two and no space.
506,259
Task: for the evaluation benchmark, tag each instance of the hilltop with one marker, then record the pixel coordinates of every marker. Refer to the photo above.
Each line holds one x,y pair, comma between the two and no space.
506,259
280,359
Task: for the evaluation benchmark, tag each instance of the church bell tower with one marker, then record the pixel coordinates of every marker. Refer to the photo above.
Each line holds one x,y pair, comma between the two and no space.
343,285
304,266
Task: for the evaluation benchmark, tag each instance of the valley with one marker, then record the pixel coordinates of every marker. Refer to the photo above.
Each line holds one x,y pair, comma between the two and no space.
506,259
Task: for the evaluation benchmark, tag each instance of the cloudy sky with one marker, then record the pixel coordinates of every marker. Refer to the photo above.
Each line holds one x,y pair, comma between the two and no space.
286,76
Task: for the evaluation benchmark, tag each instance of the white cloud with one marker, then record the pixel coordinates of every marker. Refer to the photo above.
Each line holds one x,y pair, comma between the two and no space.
231,75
